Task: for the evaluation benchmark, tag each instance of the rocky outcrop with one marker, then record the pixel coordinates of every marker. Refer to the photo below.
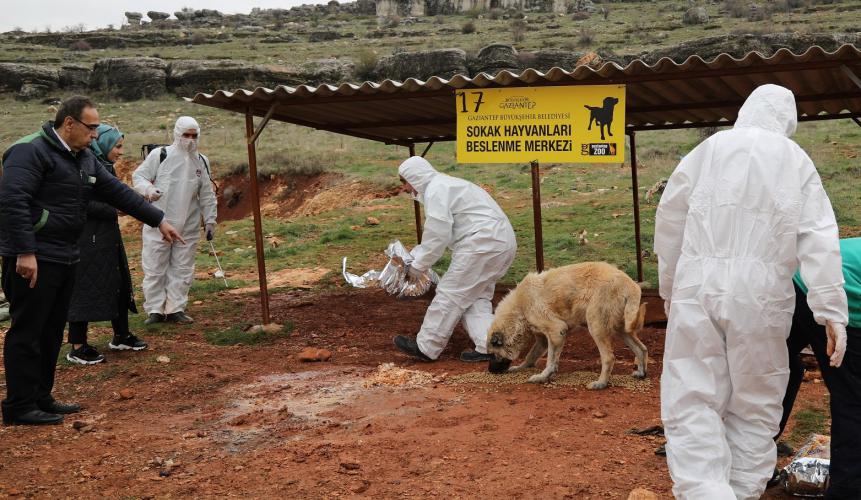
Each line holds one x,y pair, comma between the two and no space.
400,8
190,77
134,18
696,15
28,81
444,63
157,16
543,60
332,71
130,78
74,76
495,58
739,45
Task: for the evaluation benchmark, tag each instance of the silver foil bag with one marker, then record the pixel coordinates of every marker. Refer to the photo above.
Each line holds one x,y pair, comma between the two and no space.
808,473
393,278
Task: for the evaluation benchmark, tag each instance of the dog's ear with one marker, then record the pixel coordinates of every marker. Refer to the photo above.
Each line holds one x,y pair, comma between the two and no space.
496,339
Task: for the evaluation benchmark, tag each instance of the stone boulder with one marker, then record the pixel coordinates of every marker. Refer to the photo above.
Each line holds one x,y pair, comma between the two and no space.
134,19
130,78
75,76
696,15
444,63
331,71
544,60
29,81
495,58
323,36
157,16
190,77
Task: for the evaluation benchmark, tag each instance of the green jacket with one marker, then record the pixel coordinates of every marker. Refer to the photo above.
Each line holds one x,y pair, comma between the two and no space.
850,251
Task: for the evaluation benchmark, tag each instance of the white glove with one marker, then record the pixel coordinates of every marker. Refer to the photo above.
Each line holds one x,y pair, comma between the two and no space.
414,274
836,348
152,194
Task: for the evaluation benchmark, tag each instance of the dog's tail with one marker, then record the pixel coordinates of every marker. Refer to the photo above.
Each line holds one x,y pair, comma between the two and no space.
591,108
635,314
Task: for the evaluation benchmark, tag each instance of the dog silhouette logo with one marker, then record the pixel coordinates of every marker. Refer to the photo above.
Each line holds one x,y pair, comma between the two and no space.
602,115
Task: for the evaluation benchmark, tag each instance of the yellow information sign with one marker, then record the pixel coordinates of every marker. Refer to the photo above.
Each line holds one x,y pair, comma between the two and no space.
574,124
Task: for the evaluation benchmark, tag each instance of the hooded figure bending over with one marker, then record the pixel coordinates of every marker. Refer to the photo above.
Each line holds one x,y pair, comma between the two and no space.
739,215
181,186
463,217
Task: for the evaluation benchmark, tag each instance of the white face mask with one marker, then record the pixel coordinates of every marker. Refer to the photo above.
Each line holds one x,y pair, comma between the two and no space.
189,145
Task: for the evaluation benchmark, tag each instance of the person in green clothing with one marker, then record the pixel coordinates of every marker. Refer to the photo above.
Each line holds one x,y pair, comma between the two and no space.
844,383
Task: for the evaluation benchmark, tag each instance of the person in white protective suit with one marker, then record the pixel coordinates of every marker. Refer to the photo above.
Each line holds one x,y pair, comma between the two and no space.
181,186
739,215
465,218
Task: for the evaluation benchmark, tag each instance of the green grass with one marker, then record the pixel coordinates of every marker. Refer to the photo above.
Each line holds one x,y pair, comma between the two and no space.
808,421
631,27
238,335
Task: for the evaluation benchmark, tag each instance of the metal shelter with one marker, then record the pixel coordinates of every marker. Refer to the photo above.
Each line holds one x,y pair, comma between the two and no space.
661,96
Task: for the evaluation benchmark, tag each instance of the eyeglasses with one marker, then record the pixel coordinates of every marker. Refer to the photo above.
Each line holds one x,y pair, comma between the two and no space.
92,127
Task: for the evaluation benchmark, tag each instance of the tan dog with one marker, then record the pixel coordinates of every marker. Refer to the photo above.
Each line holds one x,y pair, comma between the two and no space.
545,306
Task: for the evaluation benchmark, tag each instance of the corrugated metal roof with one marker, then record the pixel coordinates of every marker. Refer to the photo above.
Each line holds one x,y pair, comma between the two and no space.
663,95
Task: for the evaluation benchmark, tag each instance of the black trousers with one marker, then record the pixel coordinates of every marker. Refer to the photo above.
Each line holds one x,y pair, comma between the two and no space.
120,324
36,334
843,383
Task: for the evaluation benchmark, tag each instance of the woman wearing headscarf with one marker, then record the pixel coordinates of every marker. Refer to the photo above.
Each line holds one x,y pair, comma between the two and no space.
103,286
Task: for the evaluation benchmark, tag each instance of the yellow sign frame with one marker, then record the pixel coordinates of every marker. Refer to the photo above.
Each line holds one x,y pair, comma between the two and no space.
566,124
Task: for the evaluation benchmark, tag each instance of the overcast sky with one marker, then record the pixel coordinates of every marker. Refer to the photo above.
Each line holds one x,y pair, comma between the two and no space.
37,14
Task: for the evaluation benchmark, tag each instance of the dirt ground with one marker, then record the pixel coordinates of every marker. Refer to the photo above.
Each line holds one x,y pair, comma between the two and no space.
254,421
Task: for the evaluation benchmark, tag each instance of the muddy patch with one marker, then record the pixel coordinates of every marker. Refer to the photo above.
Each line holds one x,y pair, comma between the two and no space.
288,406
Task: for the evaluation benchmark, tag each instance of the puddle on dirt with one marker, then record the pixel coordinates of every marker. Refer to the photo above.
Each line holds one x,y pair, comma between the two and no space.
286,406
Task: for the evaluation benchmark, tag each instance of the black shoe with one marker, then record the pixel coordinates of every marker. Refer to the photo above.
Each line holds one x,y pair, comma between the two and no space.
60,408
475,357
775,479
129,342
410,347
34,417
179,317
784,450
154,318
85,355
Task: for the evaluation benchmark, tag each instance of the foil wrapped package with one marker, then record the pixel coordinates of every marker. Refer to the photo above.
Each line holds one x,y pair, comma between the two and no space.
808,473
393,278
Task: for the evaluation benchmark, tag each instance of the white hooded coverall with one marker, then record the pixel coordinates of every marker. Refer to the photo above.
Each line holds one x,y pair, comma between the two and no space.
187,194
463,217
739,215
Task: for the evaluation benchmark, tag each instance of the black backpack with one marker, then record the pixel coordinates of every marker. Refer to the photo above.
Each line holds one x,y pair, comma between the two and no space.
146,149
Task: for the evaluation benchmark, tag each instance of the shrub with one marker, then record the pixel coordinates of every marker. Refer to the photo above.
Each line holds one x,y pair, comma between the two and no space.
518,30
586,36
366,65
80,46
735,8
197,39
495,13
468,27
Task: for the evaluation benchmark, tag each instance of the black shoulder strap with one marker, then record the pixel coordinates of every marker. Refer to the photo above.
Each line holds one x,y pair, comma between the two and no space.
162,155
208,173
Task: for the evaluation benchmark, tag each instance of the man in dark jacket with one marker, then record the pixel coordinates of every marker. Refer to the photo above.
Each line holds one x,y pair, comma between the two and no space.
48,179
